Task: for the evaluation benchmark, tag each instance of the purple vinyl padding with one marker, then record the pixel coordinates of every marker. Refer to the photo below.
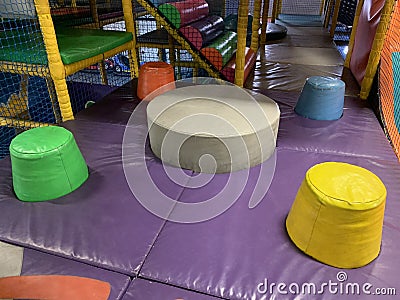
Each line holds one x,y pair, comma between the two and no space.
149,290
39,263
357,133
230,255
101,223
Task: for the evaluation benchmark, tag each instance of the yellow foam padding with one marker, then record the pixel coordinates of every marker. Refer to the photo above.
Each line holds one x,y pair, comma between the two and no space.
337,215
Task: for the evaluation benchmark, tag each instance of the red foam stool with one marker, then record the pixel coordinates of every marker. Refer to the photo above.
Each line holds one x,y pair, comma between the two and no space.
154,76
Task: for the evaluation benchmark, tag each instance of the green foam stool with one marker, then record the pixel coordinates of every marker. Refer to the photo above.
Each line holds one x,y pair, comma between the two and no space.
46,164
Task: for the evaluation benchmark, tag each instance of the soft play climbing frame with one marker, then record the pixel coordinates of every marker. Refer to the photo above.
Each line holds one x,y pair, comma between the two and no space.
207,32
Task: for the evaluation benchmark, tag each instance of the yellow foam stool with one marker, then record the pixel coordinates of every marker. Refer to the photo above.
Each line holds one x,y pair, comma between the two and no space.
337,216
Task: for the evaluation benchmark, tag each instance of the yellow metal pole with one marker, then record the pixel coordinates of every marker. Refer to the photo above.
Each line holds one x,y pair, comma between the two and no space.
255,26
182,41
56,66
160,50
328,13
95,16
172,53
264,22
321,8
335,17
53,97
241,41
130,27
274,10
103,72
10,122
279,9
94,13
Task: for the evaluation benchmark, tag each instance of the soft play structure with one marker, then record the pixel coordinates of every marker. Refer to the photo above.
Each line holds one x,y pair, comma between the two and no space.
41,58
34,45
209,32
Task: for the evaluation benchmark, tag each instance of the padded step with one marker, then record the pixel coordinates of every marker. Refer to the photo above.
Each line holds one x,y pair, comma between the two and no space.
74,44
79,44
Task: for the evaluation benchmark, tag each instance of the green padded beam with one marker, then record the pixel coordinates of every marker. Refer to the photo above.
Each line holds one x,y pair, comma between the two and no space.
74,44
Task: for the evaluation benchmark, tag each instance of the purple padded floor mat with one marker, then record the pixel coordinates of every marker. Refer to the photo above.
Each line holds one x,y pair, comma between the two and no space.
231,255
357,133
101,223
115,108
149,290
286,76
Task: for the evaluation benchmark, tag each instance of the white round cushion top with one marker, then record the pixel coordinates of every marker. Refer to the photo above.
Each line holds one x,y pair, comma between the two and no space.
212,128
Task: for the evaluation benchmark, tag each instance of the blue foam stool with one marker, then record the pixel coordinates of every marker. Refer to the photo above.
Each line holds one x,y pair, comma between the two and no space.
322,98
